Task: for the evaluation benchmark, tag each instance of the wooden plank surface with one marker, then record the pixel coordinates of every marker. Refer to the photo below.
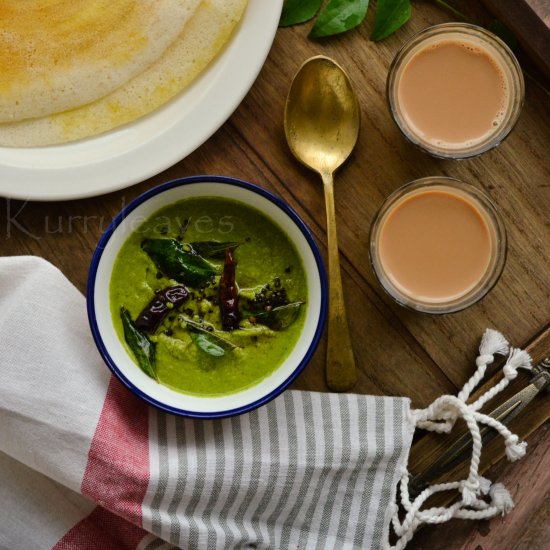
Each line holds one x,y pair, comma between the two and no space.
398,352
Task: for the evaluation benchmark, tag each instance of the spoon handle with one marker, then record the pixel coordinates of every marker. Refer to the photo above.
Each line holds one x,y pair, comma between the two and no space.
341,373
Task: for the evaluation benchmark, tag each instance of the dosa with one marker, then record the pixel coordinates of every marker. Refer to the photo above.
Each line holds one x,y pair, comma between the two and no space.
201,39
60,54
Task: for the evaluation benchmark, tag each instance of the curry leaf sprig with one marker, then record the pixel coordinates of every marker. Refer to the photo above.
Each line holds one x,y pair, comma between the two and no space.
339,16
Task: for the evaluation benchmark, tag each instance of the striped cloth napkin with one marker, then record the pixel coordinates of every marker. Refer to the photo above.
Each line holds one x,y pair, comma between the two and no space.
84,464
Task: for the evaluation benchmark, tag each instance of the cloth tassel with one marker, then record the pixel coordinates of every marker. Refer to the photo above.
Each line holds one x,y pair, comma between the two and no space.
493,342
440,416
516,451
500,498
518,359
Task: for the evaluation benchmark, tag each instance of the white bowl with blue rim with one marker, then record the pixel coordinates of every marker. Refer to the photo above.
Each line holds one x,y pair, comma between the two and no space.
113,351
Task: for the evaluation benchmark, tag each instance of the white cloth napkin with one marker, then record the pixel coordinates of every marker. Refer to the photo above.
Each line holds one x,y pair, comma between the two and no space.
86,464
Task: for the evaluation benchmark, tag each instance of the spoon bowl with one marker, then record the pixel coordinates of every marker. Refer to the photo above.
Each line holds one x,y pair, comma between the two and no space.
322,116
322,120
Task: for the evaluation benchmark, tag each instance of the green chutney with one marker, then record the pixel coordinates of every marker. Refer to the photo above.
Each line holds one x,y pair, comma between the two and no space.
266,260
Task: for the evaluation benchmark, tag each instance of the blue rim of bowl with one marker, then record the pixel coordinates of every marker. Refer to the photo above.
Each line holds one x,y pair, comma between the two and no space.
90,288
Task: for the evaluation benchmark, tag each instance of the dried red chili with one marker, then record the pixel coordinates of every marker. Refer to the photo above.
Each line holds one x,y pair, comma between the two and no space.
229,294
157,309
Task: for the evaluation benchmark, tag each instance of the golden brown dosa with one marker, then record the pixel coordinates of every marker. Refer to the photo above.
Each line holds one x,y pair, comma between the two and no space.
206,33
60,54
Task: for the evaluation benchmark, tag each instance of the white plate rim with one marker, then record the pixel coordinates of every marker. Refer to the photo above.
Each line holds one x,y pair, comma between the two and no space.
137,151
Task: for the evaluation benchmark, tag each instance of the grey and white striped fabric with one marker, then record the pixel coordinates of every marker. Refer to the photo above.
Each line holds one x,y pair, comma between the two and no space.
86,464
308,470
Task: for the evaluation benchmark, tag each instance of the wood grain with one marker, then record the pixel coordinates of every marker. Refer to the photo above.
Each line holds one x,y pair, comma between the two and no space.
397,351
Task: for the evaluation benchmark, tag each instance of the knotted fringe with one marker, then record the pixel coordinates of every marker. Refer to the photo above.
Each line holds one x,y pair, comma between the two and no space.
480,499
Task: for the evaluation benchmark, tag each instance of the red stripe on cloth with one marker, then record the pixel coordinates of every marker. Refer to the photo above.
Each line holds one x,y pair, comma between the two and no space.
102,529
117,473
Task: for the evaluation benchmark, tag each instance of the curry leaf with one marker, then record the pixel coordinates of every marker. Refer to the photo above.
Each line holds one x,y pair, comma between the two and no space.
298,11
206,344
280,317
390,16
143,349
184,266
208,336
213,249
339,16
504,33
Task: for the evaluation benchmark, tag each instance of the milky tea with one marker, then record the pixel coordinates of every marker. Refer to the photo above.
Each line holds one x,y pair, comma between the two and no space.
455,92
438,245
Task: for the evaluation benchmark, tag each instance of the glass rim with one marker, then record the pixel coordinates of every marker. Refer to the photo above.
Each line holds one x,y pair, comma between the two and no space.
515,103
489,278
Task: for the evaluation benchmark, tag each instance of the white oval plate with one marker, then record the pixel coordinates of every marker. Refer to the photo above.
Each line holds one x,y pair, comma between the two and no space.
139,150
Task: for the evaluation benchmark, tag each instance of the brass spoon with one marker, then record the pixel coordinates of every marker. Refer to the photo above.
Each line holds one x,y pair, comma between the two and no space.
322,119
